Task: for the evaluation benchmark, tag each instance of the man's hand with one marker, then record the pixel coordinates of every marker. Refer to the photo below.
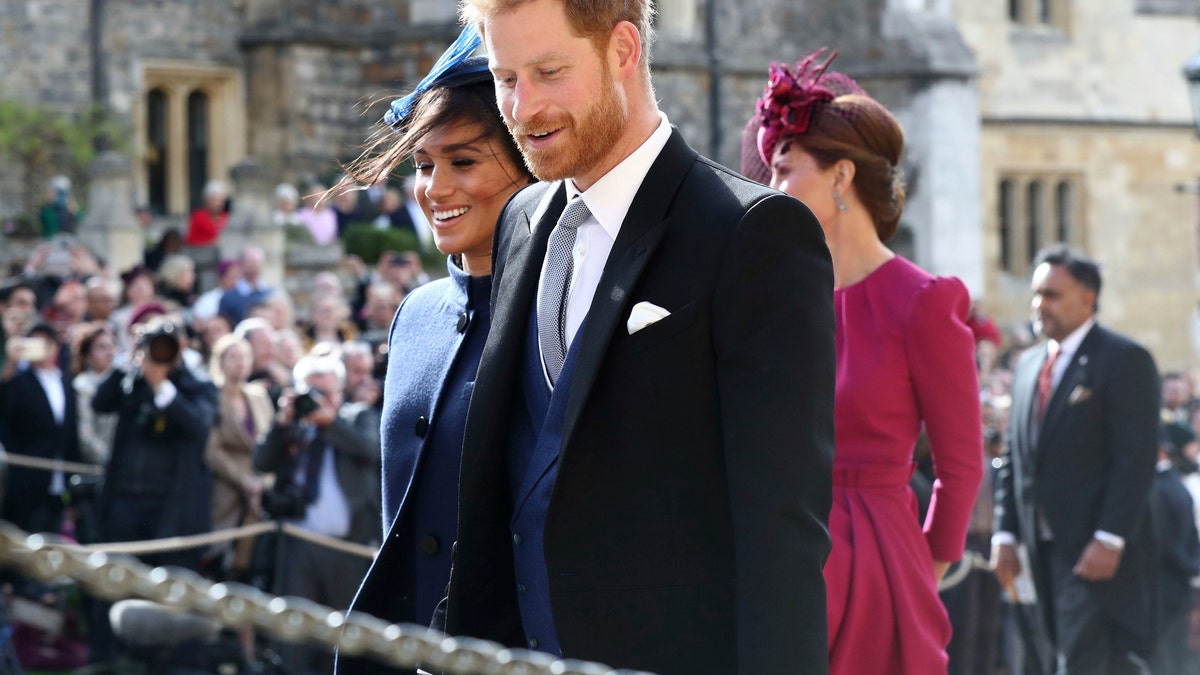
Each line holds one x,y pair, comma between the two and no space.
1006,565
939,570
324,415
1098,562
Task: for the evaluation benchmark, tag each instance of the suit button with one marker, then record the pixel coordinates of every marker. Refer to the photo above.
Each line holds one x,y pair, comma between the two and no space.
463,321
517,539
429,544
533,643
422,426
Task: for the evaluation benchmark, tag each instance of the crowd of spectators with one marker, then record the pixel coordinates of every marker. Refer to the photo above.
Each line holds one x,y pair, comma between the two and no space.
269,409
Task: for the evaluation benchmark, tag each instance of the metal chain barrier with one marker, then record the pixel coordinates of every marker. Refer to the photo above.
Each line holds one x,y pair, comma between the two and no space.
958,573
118,576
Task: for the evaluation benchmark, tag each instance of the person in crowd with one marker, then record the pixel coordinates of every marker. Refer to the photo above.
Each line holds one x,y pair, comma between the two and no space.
392,213
18,314
277,309
93,364
169,244
228,272
156,483
661,365
325,457
419,220
346,208
177,282
137,291
1176,396
467,166
244,415
327,283
60,212
209,220
382,302
361,385
214,329
1173,515
287,204
329,321
65,312
247,290
101,298
265,368
974,604
288,348
1083,443
906,361
319,217
38,408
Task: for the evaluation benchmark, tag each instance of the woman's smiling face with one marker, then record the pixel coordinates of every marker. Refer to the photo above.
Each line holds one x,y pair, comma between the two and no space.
463,180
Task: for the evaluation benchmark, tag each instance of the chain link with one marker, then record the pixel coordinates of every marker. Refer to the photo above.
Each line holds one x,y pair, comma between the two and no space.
115,576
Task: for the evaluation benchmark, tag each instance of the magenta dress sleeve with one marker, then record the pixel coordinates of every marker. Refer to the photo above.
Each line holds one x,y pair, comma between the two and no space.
941,358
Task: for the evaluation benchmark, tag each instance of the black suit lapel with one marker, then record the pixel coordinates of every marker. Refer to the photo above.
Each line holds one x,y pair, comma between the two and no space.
640,234
1075,375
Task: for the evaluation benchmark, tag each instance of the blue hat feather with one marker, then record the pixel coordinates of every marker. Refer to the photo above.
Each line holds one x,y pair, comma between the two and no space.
455,68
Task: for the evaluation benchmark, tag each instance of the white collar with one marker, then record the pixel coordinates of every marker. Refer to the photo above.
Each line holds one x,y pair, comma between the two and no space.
609,198
1070,344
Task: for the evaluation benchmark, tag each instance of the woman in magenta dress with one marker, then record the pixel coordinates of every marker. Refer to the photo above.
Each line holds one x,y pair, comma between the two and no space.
905,361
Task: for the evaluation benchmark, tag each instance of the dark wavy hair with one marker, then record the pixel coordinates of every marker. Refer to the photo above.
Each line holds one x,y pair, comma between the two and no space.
435,108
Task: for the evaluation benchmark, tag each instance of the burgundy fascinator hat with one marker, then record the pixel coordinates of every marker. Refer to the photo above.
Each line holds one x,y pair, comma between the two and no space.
792,96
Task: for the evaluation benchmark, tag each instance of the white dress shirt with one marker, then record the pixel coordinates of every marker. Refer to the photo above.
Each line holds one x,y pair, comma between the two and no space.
608,200
56,395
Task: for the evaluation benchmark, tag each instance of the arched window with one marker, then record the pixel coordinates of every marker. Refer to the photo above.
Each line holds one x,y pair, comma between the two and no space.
197,145
1035,209
1007,194
156,150
1064,211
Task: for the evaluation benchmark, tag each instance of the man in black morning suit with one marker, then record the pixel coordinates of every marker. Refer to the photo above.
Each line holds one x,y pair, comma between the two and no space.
1082,448
646,472
38,405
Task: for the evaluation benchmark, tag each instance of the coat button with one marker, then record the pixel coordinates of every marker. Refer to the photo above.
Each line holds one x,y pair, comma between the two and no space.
429,544
533,643
517,539
521,589
422,426
463,320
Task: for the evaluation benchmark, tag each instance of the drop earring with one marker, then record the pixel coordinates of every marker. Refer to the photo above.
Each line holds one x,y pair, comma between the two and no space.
841,204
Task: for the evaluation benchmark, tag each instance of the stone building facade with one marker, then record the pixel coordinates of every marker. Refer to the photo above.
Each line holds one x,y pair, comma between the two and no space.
1042,111
1086,132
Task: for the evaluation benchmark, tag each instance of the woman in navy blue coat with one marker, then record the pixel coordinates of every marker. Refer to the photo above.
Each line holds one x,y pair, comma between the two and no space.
467,167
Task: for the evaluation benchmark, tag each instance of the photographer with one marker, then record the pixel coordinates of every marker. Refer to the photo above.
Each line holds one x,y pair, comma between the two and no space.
325,457
157,484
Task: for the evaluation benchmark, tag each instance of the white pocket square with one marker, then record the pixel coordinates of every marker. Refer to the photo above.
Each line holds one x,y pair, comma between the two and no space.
644,314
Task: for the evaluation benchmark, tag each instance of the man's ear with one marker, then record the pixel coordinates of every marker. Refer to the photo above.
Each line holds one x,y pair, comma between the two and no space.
624,50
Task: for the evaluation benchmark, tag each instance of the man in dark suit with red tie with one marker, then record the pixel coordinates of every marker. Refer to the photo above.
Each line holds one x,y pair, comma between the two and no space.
1075,491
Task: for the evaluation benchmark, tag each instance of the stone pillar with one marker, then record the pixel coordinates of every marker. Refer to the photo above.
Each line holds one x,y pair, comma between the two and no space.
250,220
109,227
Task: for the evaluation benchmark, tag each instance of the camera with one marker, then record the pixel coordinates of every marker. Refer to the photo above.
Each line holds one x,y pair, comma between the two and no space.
161,343
306,403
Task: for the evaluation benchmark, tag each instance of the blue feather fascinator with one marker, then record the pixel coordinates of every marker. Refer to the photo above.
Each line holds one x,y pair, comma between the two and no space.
455,68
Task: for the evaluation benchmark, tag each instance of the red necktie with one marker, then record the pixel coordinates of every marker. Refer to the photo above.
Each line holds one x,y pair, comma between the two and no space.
1046,381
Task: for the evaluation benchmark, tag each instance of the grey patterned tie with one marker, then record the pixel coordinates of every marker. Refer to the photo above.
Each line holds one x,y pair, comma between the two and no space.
552,307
